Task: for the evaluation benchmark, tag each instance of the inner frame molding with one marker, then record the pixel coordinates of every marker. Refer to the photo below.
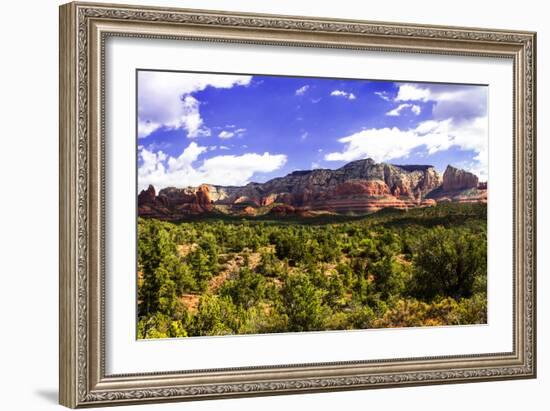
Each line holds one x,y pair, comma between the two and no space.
84,27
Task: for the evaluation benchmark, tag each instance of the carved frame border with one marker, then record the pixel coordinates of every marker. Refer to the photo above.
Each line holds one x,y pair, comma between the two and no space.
83,30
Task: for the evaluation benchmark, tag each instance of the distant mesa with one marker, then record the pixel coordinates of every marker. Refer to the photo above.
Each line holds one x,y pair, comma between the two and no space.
359,187
456,179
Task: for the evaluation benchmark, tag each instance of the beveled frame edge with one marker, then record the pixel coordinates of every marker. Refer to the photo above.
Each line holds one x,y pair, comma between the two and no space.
82,27
67,210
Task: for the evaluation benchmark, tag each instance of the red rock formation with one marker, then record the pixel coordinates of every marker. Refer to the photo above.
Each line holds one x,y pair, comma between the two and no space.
369,188
248,211
455,179
268,200
401,189
471,196
147,196
202,198
161,200
362,186
244,200
460,186
396,191
173,204
285,198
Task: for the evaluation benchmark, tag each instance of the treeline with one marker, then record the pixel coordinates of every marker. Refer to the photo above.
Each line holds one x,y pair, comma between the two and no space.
392,269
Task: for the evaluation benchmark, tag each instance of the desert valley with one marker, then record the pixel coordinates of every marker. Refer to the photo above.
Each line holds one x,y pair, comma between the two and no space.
368,245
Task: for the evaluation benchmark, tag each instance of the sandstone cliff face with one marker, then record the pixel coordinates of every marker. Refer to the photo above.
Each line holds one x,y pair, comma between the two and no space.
460,186
303,188
455,179
172,203
361,186
147,196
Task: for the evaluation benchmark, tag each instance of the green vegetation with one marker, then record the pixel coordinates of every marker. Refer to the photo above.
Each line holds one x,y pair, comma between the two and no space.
241,276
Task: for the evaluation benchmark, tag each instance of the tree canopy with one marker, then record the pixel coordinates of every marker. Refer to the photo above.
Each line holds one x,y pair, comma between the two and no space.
241,276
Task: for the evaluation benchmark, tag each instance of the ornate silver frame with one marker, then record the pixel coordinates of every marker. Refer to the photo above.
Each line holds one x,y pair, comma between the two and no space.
83,30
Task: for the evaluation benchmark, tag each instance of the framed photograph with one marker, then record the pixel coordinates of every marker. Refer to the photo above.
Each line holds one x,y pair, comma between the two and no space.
259,204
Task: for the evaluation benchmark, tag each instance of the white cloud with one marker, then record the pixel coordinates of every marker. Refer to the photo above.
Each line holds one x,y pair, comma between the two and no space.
146,127
397,111
152,162
379,144
340,93
190,118
163,171
458,102
459,119
224,148
302,90
186,158
165,100
384,95
386,144
226,134
304,135
411,92
237,170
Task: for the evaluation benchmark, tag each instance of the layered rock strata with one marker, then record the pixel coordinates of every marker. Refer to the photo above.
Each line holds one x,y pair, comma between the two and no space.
359,187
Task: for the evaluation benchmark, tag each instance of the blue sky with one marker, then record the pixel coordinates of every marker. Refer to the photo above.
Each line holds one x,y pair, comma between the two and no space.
222,129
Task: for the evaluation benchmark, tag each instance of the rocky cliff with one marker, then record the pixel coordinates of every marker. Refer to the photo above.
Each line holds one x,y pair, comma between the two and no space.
361,186
456,179
459,186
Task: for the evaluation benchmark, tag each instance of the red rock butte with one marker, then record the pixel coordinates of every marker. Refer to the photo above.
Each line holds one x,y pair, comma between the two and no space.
359,187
